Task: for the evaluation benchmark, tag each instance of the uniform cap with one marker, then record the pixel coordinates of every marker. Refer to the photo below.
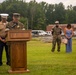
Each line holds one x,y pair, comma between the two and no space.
4,15
16,14
57,22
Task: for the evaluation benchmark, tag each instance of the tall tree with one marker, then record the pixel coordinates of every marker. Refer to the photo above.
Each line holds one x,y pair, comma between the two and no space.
59,13
31,13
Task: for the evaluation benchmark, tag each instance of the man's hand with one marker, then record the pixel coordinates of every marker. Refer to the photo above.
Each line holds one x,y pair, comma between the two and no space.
3,40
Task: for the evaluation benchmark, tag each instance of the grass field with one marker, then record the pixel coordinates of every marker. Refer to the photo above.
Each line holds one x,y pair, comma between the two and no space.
41,61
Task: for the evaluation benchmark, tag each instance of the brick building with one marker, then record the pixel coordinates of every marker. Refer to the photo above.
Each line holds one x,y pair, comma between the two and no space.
49,27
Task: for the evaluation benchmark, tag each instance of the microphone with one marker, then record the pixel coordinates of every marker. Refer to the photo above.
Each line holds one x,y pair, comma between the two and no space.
14,24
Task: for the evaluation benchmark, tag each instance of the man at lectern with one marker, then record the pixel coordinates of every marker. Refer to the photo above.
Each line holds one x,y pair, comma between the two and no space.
2,38
15,24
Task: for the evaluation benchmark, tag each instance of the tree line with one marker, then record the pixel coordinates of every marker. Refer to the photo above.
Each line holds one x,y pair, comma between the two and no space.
36,15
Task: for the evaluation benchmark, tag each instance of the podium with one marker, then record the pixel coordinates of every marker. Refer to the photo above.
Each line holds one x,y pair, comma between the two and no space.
17,42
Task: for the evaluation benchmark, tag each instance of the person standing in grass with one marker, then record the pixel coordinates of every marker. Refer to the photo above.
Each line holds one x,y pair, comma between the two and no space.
56,32
15,24
68,32
3,44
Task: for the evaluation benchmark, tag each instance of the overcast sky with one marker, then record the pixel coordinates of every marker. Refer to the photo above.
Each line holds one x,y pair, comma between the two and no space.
65,2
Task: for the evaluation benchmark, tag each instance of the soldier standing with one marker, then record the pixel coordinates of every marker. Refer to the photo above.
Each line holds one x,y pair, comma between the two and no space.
15,24
56,32
2,38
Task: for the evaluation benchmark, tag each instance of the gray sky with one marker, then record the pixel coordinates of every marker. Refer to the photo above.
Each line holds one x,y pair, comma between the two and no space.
65,2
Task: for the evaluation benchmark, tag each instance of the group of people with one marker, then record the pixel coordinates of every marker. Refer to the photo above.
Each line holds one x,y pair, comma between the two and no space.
4,27
15,24
57,31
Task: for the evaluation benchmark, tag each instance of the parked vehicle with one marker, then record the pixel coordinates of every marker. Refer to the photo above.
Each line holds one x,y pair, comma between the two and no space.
38,33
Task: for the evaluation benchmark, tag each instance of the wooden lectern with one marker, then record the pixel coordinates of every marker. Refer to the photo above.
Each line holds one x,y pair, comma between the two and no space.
17,41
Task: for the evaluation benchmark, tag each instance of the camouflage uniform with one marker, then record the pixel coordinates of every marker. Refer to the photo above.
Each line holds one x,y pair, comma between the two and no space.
13,25
56,32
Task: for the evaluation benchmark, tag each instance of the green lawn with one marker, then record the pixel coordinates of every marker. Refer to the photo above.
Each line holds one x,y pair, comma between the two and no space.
41,61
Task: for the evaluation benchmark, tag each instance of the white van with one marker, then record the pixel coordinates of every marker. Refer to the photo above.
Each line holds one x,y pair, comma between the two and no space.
39,33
